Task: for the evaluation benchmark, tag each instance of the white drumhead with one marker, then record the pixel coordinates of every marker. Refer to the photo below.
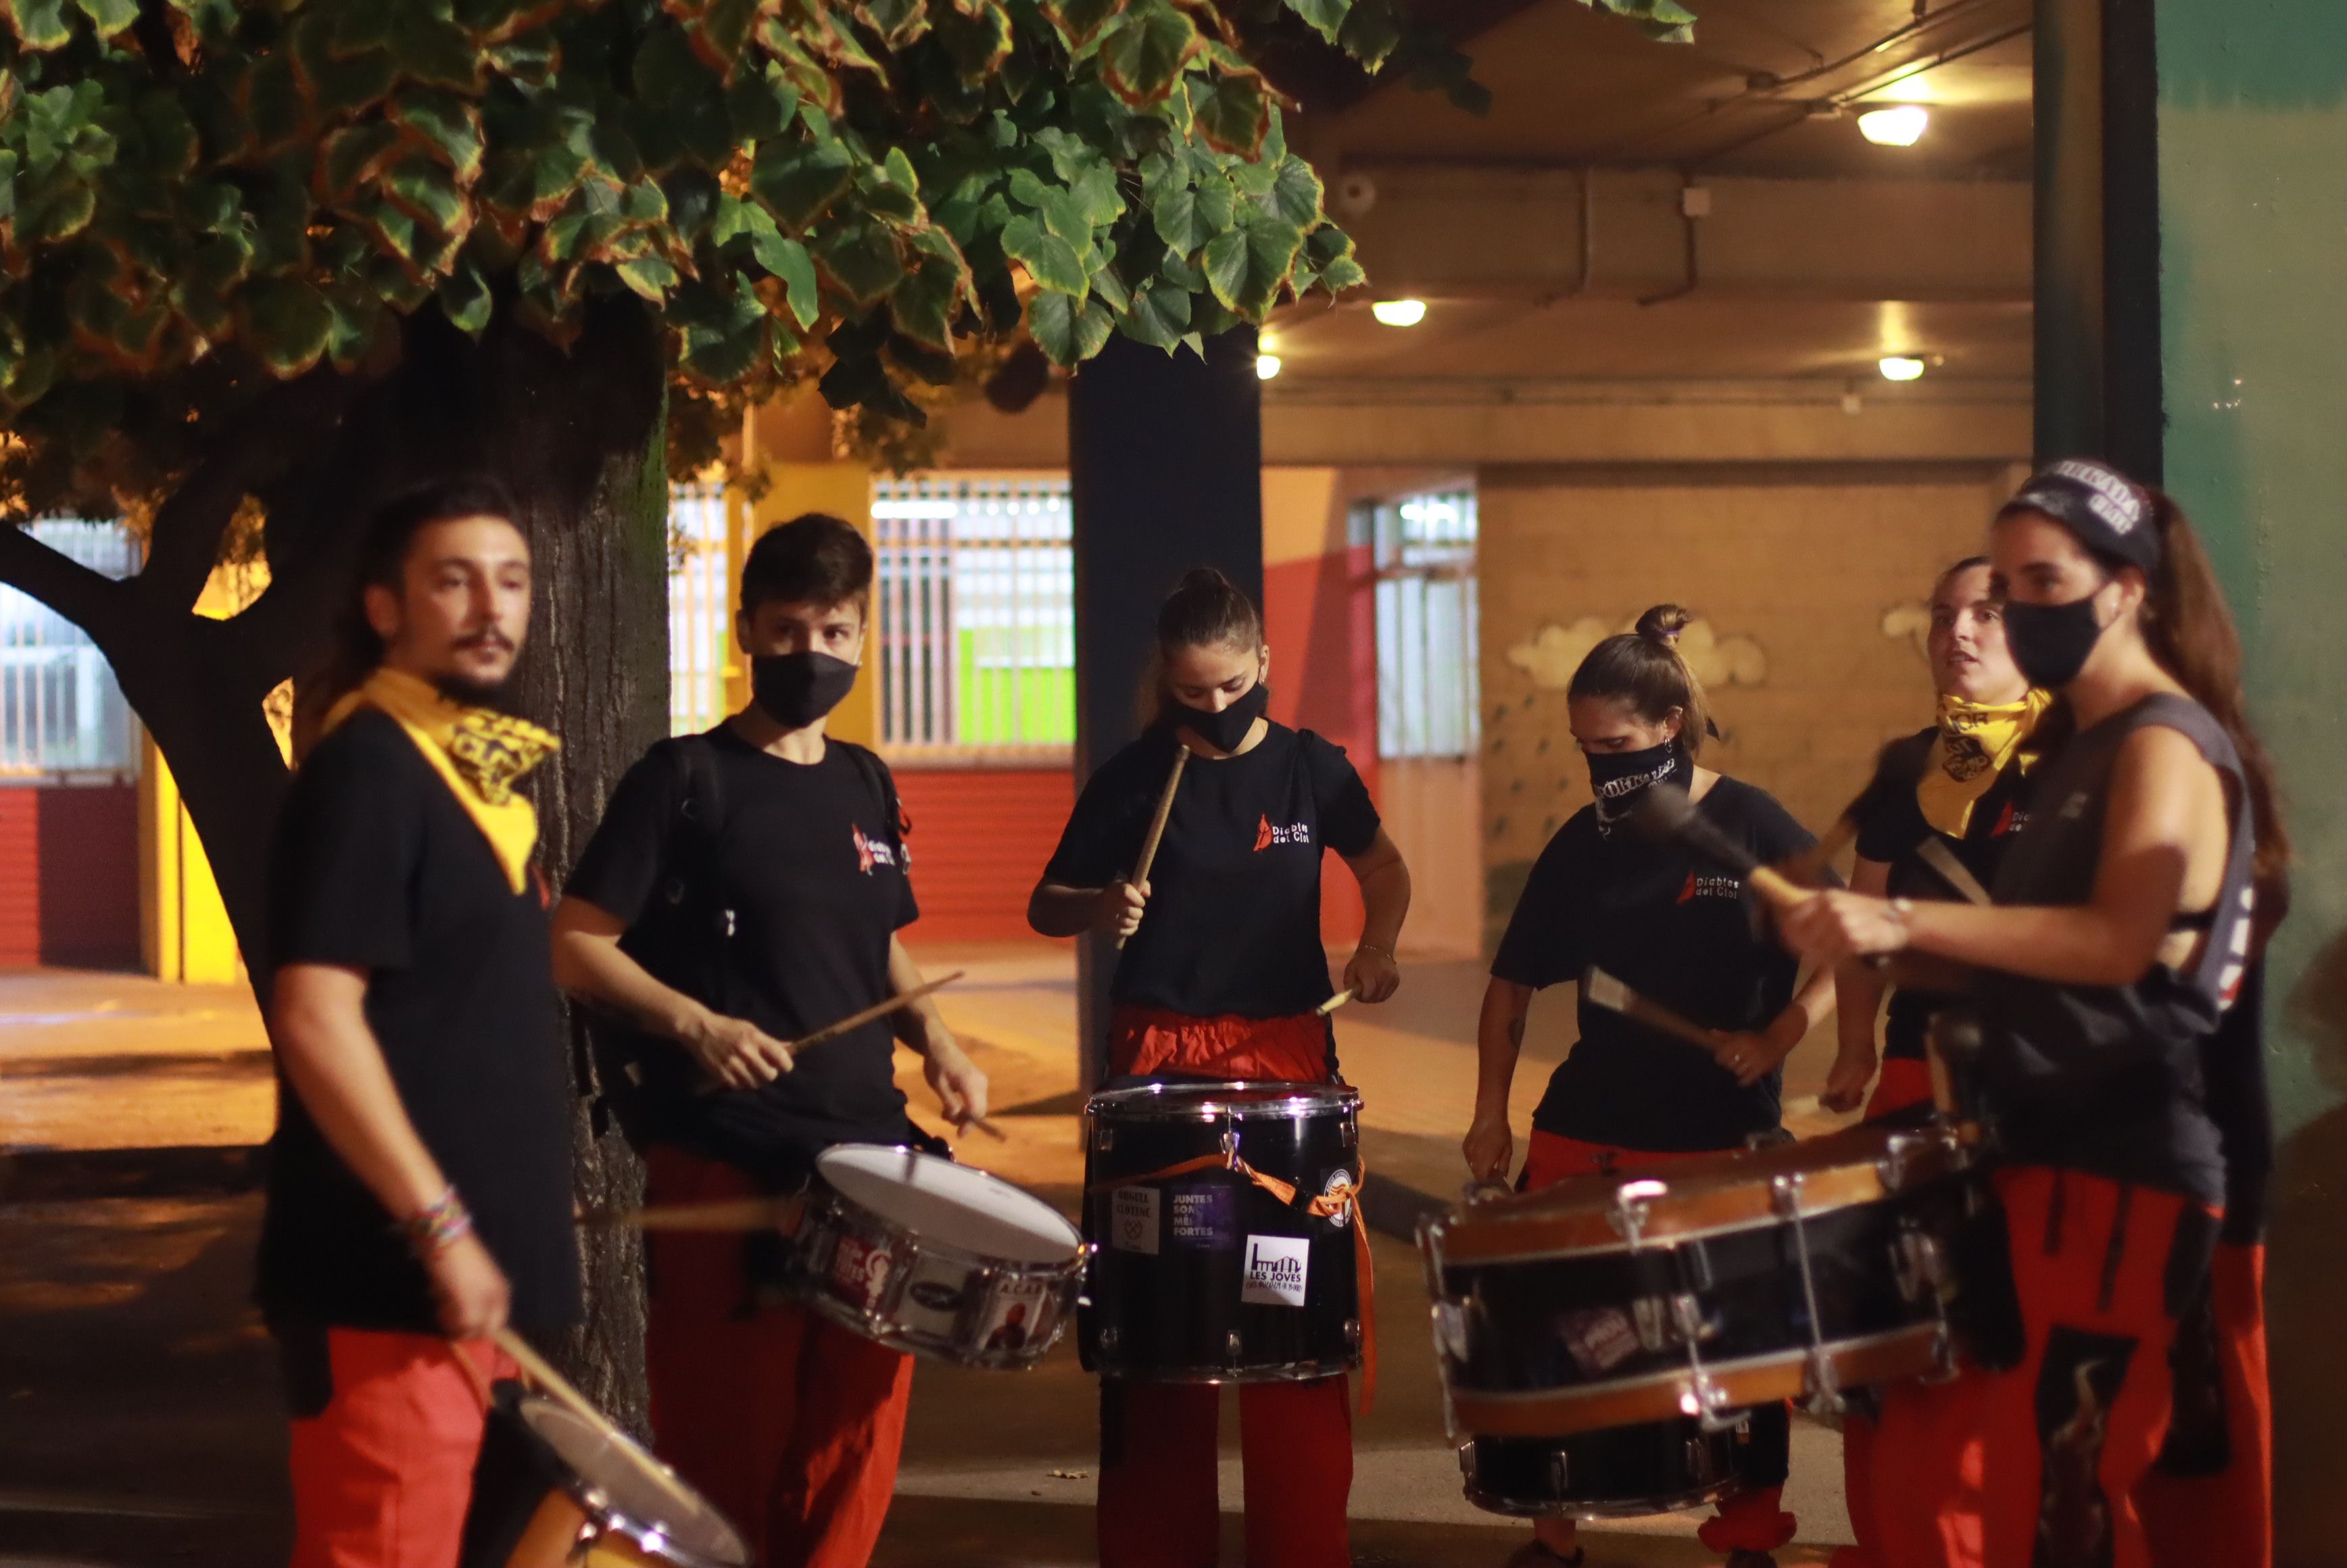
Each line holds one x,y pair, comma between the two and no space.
641,1489
940,1201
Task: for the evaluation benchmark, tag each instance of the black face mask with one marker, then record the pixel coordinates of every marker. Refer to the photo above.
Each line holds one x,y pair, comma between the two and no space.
795,690
2050,643
1225,730
1620,779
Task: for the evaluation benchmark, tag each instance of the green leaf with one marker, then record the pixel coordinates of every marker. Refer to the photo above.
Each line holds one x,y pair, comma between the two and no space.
1096,194
788,259
899,22
432,49
1187,219
729,339
427,190
922,305
1341,274
287,322
445,125
465,298
1234,115
1148,52
1324,16
1295,194
1066,331
39,25
1079,22
862,259
351,157
798,180
899,171
1160,315
530,57
1245,267
649,276
1049,258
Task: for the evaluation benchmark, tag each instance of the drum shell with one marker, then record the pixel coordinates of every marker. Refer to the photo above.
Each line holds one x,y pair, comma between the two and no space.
1621,1472
923,1294
1176,1313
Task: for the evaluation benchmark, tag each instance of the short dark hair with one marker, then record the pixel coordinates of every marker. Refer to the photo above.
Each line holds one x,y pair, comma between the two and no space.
814,558
1207,610
385,541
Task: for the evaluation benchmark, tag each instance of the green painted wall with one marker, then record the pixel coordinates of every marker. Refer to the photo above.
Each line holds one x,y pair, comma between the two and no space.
2253,211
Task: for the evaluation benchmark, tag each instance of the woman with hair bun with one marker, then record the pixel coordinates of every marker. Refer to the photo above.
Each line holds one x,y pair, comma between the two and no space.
1678,930
2118,1078
1222,977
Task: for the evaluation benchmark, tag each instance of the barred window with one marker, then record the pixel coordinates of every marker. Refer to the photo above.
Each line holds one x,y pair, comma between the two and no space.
974,610
61,713
700,607
1429,686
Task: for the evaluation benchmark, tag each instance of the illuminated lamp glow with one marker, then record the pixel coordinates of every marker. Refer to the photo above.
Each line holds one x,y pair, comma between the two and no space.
1267,365
1399,312
1902,125
1899,367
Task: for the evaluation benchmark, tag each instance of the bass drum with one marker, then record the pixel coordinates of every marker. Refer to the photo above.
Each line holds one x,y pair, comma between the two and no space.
1622,1473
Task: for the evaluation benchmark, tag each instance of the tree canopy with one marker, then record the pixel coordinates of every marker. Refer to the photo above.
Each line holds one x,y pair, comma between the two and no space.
203,197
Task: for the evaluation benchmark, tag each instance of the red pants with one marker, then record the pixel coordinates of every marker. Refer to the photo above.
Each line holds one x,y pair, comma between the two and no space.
1905,1082
2038,1466
1749,1521
1146,1041
789,1425
1159,1507
382,1475
2224,1514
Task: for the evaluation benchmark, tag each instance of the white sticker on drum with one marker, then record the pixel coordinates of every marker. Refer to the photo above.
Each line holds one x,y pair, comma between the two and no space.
1132,1220
1277,1266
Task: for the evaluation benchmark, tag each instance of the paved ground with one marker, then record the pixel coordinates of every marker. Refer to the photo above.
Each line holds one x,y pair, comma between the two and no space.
137,1399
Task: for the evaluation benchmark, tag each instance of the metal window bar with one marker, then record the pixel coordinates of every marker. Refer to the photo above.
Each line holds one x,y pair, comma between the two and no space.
1428,626
62,716
700,616
976,606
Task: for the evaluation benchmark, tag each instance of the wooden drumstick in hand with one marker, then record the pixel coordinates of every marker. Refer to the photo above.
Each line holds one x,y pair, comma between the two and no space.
1157,824
1605,991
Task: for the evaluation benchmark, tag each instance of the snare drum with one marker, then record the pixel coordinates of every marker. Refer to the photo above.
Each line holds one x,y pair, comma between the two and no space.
1623,1473
1224,1224
551,1491
923,1255
1704,1286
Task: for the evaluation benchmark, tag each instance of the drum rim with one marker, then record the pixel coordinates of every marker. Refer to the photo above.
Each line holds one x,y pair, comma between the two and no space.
897,1336
597,1502
1645,1507
825,1191
1286,1372
1212,1103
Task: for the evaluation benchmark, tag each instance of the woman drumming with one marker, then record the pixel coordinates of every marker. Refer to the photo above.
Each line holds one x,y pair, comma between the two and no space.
1222,979
1677,930
2121,933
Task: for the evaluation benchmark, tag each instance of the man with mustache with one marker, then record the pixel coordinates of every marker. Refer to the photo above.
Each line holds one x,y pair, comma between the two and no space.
745,888
419,1184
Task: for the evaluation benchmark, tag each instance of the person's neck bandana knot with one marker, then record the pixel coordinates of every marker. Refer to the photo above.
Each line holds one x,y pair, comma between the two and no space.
480,753
1976,742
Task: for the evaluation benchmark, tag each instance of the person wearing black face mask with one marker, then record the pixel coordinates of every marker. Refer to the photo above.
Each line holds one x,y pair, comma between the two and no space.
744,888
2115,979
1222,979
1677,930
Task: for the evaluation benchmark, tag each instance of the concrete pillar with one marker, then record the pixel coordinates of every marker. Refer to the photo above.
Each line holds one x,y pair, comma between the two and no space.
2251,125
1164,472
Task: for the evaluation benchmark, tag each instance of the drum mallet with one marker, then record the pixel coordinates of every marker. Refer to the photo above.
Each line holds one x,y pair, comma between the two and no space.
1333,1003
1668,812
1605,991
1157,824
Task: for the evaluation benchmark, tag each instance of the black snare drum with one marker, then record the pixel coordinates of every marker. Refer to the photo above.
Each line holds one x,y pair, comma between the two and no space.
1204,1272
1660,1466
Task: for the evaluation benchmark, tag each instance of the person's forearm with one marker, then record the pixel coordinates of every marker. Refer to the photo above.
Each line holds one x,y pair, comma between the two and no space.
334,1064
921,1025
1858,1003
1385,903
1499,1041
2069,944
1053,911
594,967
1815,1000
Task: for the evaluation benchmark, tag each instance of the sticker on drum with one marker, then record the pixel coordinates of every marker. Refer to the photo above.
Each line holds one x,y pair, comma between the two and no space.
859,1271
1276,1269
935,1295
1132,1220
1206,1214
1015,1315
1339,1186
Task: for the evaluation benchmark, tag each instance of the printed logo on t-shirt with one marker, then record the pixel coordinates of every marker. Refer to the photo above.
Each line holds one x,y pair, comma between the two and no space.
1699,886
2075,808
871,852
1265,835
2012,819
1277,1267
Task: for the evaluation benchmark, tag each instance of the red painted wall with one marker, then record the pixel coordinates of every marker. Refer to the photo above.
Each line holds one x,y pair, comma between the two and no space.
1320,616
69,876
980,839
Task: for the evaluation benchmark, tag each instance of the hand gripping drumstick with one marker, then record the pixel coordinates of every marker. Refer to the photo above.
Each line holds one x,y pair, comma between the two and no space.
1157,824
1333,1003
1604,991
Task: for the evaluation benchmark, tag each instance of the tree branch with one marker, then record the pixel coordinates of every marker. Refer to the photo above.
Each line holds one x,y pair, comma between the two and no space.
89,600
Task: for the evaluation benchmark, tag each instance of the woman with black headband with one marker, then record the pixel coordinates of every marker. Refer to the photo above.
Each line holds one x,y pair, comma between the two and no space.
1224,979
2125,920
1678,930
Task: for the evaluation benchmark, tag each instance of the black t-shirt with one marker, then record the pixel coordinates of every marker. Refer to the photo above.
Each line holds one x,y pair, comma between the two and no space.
812,872
376,866
1890,828
1675,928
1234,919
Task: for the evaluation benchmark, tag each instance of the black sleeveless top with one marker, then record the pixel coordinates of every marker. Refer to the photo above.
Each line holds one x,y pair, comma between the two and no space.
2108,1080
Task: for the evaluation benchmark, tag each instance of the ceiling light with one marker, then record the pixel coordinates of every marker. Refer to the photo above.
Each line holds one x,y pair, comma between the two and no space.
1899,367
1399,312
1902,125
1267,365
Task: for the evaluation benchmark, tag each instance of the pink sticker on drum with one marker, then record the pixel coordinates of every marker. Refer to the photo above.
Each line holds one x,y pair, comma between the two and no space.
1598,1339
858,1271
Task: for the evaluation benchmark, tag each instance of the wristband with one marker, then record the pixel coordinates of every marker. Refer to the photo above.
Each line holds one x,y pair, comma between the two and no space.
1372,947
1902,915
438,1227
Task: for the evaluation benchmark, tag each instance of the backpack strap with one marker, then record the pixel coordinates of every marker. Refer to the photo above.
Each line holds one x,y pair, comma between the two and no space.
877,779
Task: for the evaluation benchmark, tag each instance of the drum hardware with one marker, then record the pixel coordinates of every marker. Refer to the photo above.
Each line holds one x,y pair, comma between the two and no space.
1825,1391
1919,1264
1233,1346
1107,1335
1353,1332
1704,1399
1633,1203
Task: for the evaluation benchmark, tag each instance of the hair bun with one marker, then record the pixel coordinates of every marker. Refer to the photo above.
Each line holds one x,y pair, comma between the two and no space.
1199,576
1663,624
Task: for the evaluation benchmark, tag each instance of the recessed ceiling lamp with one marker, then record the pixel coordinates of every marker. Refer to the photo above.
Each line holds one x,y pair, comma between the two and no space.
1901,125
1267,365
1899,367
1399,312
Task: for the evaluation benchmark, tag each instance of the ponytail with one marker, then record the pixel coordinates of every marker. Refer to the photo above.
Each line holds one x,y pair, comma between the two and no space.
1643,670
1205,609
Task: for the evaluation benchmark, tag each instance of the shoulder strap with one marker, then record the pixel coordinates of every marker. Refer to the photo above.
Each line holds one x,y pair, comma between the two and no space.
884,789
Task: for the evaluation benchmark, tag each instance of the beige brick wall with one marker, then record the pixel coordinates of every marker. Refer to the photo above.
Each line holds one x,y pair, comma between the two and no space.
1804,561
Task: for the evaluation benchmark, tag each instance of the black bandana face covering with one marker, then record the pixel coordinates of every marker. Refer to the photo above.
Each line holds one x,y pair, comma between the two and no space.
2051,642
795,690
1225,730
1619,778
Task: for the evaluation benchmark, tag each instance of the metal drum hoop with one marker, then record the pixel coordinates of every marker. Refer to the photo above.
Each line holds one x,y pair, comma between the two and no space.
605,1519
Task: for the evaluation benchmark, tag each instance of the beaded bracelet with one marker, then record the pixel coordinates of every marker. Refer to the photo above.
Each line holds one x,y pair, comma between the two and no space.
438,1227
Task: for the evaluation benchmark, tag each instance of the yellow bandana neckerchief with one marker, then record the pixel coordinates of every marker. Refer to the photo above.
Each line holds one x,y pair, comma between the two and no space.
476,751
1975,743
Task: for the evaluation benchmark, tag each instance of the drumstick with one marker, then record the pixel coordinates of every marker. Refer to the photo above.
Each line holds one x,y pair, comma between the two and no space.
726,1214
1668,812
1333,1003
852,1022
1935,853
1604,991
1157,823
1806,865
553,1382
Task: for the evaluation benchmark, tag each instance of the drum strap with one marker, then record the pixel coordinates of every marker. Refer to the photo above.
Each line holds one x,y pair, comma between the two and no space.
1327,1206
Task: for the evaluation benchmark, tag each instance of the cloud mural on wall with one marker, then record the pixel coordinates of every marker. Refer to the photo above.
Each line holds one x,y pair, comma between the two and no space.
1911,623
1551,654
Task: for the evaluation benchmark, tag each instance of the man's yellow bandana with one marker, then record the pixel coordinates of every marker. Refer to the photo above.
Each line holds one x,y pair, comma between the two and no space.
476,751
1975,743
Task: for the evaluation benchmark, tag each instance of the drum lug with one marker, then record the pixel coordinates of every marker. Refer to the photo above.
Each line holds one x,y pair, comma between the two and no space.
1632,1202
1467,1459
1824,1396
1918,1265
1107,1338
1449,1331
1104,1135
1785,1196
1945,1366
1234,1348
1352,1133
1560,1472
1352,1333
1891,1169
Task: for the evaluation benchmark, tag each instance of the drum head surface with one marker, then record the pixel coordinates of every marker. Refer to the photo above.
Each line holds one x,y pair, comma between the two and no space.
629,1477
940,1201
1213,1101
1691,1180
